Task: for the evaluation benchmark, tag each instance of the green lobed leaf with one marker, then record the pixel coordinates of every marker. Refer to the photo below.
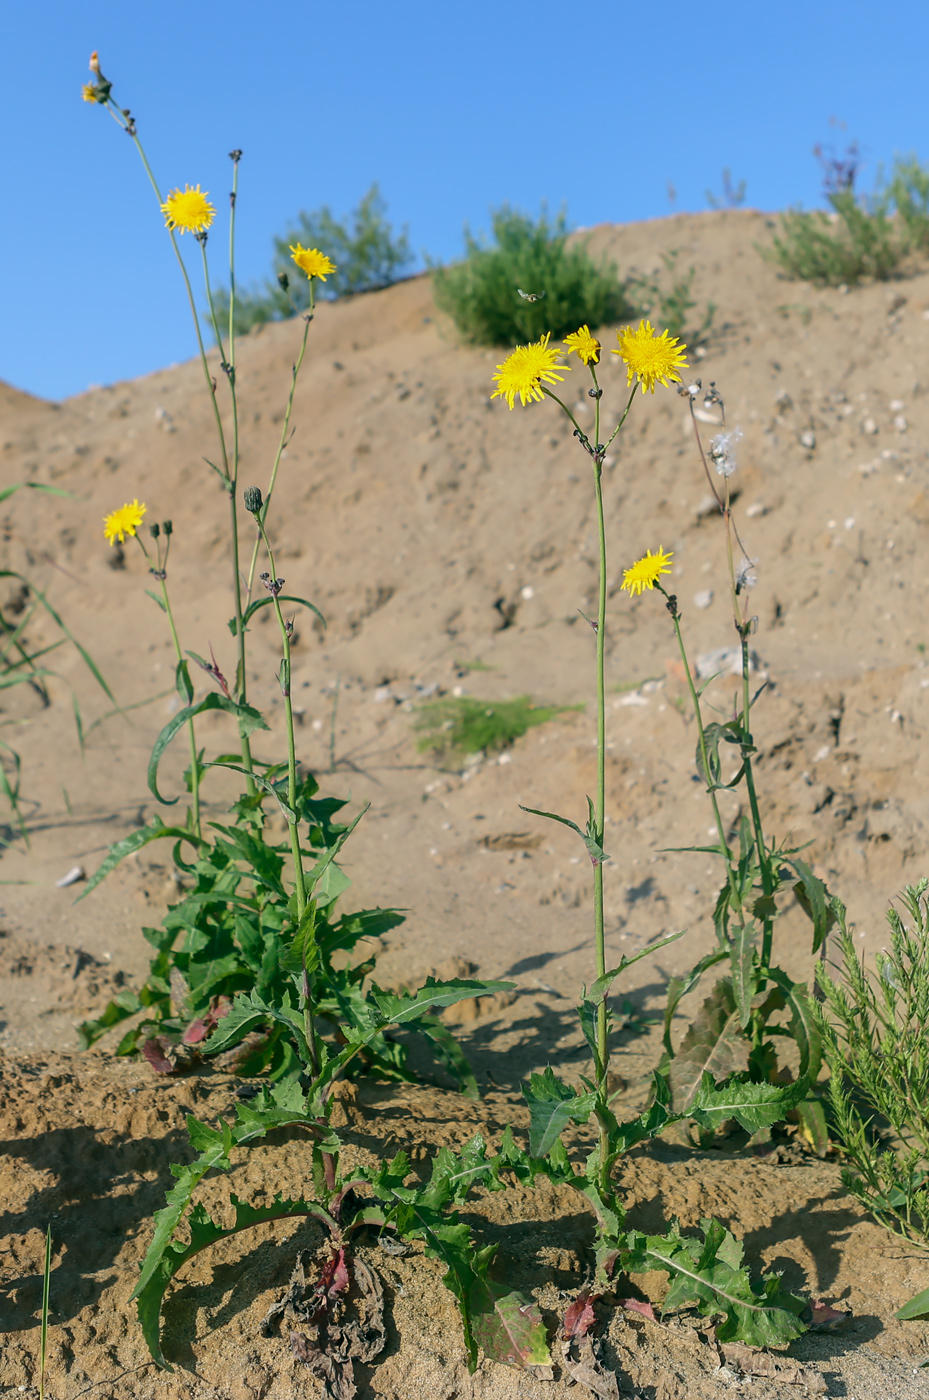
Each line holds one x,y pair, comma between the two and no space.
753,1105
713,1045
509,1327
678,987
552,1106
709,1274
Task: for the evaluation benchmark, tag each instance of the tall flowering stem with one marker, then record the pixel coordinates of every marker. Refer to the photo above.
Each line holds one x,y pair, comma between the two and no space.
723,456
529,374
185,213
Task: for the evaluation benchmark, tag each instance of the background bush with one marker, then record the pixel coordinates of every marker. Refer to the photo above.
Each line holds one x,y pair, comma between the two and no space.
482,293
864,236
366,252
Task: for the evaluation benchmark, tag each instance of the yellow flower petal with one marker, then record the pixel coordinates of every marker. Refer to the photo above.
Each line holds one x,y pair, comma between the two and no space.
526,370
188,210
646,572
125,521
654,358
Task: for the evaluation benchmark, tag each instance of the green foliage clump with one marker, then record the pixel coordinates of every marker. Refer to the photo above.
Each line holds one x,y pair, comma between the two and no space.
457,725
670,306
878,1055
863,236
527,282
367,253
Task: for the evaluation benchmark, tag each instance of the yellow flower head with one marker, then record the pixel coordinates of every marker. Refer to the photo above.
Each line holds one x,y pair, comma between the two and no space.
89,92
585,346
312,261
654,358
646,572
125,521
188,209
526,370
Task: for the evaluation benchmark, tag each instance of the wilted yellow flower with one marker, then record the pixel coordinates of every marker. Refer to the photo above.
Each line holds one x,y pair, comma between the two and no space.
646,572
654,358
585,346
95,62
312,261
125,521
526,370
188,209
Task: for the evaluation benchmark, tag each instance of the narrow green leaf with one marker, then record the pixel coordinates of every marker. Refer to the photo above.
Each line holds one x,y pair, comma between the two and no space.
155,599
916,1307
182,683
249,720
813,898
742,962
264,602
156,831
594,849
804,1027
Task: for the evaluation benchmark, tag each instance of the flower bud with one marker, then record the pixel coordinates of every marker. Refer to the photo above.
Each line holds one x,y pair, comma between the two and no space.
167,527
154,530
284,281
253,500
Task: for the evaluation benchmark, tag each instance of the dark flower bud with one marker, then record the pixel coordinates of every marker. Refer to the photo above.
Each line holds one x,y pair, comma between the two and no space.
167,527
284,281
253,502
154,530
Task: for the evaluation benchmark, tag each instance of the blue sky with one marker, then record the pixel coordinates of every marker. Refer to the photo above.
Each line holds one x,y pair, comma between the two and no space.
453,108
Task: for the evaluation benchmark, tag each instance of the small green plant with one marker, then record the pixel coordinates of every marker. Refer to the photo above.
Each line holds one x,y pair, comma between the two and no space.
368,256
670,301
459,725
526,281
874,1035
20,664
733,196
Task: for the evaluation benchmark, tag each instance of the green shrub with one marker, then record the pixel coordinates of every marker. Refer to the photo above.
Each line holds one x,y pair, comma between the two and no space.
878,1055
366,252
908,192
858,240
528,282
463,725
863,236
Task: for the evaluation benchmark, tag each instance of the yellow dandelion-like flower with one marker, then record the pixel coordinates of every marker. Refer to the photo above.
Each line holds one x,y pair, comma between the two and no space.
312,261
654,358
89,92
125,521
188,209
585,346
526,370
646,572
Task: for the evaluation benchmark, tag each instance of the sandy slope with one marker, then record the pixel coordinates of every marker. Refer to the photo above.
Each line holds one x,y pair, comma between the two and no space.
421,517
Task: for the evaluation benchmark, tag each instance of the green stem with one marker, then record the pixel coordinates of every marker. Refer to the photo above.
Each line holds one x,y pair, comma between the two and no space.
194,761
228,474
734,896
299,880
599,818
742,628
249,583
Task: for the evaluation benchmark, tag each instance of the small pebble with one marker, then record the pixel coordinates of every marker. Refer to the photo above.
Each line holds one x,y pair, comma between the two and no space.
73,877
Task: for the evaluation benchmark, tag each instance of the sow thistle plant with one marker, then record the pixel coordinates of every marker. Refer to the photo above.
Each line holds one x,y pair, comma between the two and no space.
707,1272
737,1030
249,965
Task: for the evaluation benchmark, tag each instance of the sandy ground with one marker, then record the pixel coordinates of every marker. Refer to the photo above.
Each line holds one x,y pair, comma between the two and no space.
438,532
